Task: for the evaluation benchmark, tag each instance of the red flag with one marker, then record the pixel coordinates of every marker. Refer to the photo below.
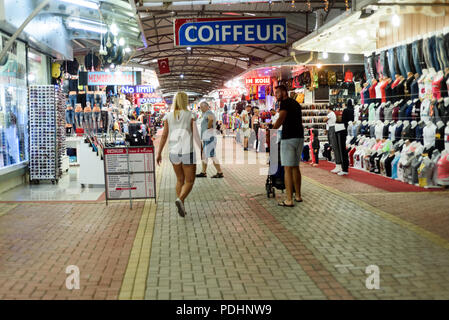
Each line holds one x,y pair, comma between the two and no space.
163,66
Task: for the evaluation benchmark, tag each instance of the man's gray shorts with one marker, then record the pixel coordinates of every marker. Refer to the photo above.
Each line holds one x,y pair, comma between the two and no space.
291,150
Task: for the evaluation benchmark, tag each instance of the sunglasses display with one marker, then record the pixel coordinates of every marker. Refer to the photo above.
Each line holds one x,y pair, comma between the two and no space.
47,132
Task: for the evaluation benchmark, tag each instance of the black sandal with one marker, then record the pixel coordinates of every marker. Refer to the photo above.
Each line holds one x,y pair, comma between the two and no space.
218,175
298,200
201,175
283,204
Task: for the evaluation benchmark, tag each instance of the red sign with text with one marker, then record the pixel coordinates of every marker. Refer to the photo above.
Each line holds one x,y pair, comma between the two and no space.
258,81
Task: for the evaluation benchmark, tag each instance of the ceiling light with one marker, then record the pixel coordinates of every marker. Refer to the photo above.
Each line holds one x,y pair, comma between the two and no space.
395,20
250,14
181,76
121,42
325,55
127,49
346,57
154,60
83,3
81,26
114,29
189,48
319,65
207,81
153,4
362,33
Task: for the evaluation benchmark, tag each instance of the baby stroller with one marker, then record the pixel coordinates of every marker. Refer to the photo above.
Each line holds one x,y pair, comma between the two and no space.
276,180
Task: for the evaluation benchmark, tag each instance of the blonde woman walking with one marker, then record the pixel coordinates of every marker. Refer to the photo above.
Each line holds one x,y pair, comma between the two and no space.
180,130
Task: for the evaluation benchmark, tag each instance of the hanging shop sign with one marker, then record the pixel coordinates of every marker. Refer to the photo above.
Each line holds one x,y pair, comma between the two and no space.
137,89
230,31
228,93
150,100
258,81
111,78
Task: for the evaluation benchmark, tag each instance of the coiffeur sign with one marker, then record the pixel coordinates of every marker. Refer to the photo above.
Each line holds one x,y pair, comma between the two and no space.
230,31
111,78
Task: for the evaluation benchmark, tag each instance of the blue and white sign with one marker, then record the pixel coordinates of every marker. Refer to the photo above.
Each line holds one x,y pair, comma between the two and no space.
230,31
137,89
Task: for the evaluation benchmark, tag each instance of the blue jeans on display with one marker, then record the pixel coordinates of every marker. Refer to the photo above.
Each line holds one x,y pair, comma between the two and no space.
416,58
88,121
72,100
70,117
433,53
403,60
425,49
384,62
98,100
96,120
391,63
441,52
79,117
90,98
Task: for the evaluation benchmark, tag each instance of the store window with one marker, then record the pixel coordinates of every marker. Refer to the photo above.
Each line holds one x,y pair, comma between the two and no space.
37,68
13,106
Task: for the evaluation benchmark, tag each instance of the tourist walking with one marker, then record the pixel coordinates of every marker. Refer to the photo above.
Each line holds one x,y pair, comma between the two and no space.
180,130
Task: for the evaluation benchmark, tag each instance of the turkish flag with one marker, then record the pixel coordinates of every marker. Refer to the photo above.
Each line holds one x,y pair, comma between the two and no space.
163,66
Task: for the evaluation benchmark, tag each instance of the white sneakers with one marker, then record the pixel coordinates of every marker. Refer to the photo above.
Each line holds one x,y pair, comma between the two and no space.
337,169
180,206
342,173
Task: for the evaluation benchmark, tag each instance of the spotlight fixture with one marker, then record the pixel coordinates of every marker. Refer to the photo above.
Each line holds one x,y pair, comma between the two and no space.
346,57
325,55
181,76
395,20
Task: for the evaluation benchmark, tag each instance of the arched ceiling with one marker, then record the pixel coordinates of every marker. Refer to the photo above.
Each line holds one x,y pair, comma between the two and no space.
208,68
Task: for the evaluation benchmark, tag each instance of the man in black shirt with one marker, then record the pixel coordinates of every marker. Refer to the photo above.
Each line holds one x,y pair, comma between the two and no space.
292,143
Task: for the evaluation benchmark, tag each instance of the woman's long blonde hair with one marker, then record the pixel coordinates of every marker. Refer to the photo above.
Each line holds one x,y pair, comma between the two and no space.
180,102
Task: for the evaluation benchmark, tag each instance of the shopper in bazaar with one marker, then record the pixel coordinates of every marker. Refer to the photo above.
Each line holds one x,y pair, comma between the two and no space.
246,130
292,142
181,132
209,141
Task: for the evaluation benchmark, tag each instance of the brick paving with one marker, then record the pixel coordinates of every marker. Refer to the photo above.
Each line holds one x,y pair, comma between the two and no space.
233,244
38,242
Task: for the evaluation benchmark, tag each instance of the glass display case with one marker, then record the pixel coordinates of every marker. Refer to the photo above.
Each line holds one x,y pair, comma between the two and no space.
14,144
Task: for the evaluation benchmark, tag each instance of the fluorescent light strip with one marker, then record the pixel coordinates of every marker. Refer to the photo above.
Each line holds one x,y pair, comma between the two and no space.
79,20
83,3
153,4
77,25
189,3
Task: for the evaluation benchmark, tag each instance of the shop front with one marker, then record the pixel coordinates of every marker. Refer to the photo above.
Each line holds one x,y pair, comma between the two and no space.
401,122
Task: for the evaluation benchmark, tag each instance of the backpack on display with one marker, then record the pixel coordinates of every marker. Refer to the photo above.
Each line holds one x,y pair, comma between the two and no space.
322,78
331,78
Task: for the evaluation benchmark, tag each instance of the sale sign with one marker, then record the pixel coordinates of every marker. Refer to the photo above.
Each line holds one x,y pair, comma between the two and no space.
262,81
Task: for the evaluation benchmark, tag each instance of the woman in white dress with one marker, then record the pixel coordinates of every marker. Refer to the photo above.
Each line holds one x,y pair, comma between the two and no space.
180,130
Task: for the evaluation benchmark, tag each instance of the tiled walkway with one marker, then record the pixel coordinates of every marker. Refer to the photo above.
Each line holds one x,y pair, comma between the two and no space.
233,244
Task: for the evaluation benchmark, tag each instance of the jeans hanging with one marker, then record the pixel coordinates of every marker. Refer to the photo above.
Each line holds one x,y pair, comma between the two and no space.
391,63
88,121
384,62
441,52
426,52
90,98
401,60
433,53
79,117
416,57
70,117
72,100
411,65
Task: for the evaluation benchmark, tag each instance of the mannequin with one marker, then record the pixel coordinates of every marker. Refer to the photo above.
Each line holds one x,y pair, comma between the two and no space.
408,83
96,116
436,84
88,118
386,129
378,130
398,133
378,109
391,131
439,135
388,111
372,129
405,134
70,116
425,109
429,134
372,112
79,115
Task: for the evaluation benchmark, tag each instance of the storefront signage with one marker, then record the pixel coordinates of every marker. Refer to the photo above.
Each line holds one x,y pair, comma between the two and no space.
137,89
230,31
150,100
258,81
111,78
228,93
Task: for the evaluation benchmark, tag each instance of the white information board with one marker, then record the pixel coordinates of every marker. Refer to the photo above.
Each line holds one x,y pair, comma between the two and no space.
140,179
